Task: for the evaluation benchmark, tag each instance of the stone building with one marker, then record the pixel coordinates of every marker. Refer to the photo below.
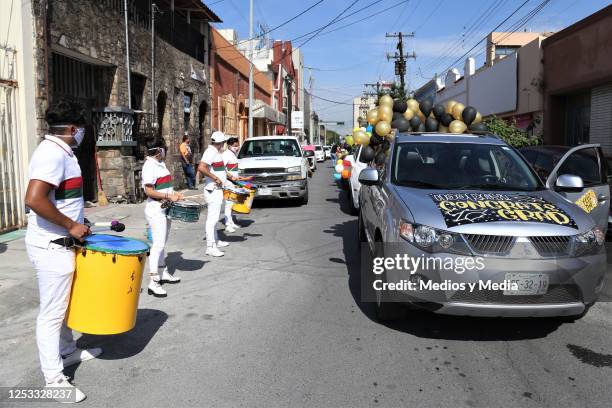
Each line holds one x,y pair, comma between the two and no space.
81,56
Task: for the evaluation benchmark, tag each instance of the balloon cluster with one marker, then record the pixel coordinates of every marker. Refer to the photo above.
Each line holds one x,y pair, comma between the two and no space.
342,170
424,116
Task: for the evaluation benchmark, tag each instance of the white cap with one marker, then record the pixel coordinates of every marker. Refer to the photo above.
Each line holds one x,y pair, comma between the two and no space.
218,137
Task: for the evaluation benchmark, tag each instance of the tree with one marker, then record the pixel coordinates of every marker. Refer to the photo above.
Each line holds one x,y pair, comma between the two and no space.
510,133
396,92
332,137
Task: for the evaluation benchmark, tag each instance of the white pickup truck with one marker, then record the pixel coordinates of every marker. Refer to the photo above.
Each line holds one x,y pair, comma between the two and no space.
353,182
278,165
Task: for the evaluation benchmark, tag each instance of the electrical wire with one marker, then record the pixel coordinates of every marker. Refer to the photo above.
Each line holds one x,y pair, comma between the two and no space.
331,101
328,24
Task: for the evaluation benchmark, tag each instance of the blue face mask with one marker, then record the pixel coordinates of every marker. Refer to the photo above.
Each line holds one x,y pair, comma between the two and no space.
78,136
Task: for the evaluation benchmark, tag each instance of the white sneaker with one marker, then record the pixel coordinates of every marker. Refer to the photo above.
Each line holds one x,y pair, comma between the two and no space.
214,251
233,224
230,228
166,277
75,395
222,244
79,355
156,290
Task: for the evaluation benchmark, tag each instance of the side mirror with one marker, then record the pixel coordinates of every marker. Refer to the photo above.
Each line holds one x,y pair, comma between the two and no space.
569,183
368,177
308,153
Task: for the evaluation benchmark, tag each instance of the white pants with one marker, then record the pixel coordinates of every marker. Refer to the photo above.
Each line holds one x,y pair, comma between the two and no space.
228,212
214,200
160,229
55,269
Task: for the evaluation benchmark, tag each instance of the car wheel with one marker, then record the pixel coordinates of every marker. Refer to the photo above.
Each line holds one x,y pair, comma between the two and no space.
385,309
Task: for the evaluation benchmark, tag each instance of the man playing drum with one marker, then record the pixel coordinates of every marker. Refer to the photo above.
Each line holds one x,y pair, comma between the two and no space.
213,168
55,224
230,159
157,184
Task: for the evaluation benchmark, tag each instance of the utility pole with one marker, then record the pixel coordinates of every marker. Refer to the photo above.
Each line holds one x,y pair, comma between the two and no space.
289,85
153,101
251,90
400,58
127,53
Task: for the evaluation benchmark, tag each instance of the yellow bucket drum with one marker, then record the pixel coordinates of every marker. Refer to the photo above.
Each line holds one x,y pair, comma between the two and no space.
245,206
106,285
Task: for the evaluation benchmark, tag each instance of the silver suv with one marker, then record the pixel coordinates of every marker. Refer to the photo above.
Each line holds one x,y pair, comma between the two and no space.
492,238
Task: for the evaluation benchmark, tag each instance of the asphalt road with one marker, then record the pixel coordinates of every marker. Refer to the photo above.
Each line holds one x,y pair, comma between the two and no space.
277,322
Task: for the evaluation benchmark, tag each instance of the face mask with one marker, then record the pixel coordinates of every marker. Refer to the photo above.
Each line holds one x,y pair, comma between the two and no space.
162,153
234,149
78,136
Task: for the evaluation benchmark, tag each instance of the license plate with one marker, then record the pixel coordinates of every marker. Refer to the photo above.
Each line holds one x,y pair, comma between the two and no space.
526,284
264,191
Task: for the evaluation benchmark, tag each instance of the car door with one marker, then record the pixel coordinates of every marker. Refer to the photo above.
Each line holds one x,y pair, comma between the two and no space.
354,181
587,162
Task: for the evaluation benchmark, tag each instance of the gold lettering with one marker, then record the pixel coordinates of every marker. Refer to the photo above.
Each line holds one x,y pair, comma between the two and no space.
506,214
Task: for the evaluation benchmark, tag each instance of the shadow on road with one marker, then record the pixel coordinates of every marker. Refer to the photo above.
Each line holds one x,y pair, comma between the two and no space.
430,325
125,345
3,248
175,261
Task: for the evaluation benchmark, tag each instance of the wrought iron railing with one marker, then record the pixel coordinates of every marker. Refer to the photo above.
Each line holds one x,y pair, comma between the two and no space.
114,126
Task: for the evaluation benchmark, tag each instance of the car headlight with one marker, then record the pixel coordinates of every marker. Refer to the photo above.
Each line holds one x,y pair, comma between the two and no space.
589,241
295,169
433,240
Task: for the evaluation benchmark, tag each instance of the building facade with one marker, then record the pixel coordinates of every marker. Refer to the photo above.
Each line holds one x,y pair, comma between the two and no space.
578,83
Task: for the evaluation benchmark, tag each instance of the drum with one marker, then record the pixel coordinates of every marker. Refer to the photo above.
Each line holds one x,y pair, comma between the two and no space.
106,284
245,207
185,210
236,195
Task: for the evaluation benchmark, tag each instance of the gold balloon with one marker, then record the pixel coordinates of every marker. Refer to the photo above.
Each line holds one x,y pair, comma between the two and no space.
478,118
360,136
385,113
421,116
409,114
442,128
457,126
385,100
372,117
449,106
383,128
413,105
458,110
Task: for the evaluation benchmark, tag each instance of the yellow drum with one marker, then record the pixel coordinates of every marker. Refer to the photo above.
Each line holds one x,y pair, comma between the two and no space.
106,285
237,195
245,207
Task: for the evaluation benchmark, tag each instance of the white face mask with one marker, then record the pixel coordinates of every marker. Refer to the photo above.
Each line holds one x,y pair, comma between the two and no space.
79,135
234,149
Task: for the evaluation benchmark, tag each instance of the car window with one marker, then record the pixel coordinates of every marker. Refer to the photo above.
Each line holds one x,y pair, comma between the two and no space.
583,163
259,148
462,166
544,164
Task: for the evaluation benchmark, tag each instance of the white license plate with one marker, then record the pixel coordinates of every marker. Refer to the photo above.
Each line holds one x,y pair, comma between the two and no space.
264,191
526,284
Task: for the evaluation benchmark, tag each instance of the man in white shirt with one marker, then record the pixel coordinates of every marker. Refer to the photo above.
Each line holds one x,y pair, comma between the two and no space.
215,176
55,224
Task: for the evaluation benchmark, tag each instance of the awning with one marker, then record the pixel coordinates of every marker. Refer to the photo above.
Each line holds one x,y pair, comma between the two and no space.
262,110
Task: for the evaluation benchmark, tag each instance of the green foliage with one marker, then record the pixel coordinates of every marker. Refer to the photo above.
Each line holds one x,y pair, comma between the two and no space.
332,137
396,92
510,133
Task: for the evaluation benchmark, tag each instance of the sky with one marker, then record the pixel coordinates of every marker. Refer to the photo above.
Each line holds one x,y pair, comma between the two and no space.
343,60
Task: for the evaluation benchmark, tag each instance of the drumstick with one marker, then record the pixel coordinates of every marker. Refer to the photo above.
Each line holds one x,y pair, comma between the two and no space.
113,225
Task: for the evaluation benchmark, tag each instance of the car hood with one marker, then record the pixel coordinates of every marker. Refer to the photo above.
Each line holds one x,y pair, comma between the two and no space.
269,161
454,210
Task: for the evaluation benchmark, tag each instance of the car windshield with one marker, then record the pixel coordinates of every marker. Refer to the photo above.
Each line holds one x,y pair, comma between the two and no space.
267,147
318,148
461,166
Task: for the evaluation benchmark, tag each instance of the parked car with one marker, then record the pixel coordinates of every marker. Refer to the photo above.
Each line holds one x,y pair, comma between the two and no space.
312,161
586,163
474,197
353,185
327,151
319,153
278,165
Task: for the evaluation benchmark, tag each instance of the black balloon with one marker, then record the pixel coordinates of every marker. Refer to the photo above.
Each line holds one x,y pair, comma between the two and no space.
375,139
479,127
438,110
425,107
400,106
380,158
431,125
385,145
446,119
415,122
367,154
396,116
469,114
401,124
421,128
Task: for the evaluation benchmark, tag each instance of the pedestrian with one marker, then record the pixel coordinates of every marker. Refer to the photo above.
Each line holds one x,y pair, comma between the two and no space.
187,162
230,159
54,198
215,176
157,185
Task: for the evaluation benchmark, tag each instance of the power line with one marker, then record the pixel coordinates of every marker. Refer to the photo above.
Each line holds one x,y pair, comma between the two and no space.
328,24
330,101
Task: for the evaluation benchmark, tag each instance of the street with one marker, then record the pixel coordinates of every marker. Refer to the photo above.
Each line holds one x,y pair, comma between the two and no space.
277,322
